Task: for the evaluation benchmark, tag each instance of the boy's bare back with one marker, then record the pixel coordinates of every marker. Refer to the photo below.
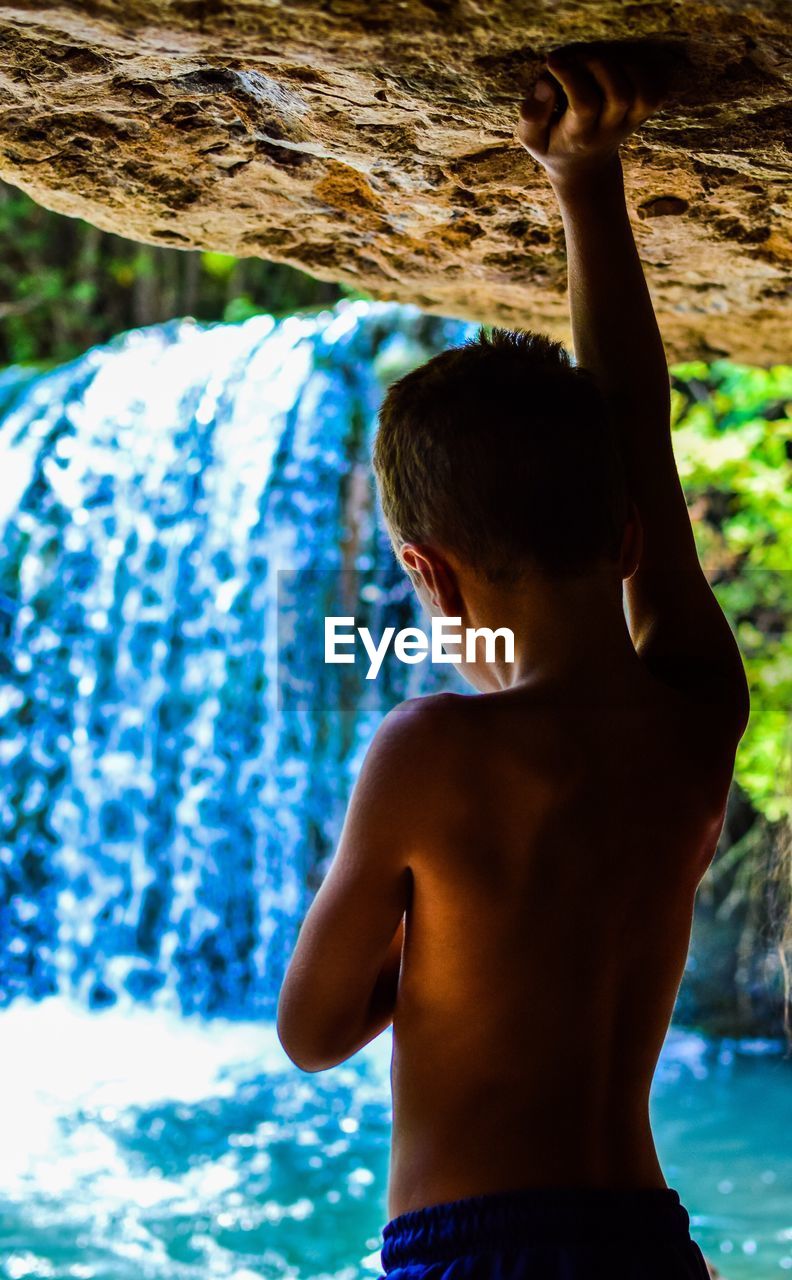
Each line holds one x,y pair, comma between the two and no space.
557,843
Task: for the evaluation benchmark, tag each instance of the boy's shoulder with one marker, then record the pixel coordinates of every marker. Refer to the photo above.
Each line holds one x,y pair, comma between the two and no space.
442,729
419,741
421,723
402,774
416,772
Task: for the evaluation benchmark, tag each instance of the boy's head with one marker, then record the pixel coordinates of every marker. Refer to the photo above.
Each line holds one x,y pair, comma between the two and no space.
501,452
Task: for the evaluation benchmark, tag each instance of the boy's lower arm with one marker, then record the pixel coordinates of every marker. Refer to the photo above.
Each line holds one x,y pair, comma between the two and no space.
615,332
577,143
383,997
380,1009
613,322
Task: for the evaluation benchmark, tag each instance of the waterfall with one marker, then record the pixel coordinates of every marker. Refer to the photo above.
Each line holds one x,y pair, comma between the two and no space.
178,510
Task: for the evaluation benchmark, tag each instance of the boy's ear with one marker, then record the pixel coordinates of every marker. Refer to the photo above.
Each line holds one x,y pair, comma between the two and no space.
430,571
632,543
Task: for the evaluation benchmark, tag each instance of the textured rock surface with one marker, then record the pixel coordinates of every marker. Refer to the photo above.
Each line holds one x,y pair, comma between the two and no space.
373,143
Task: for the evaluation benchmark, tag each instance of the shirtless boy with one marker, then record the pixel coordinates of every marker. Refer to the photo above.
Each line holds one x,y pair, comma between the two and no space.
514,885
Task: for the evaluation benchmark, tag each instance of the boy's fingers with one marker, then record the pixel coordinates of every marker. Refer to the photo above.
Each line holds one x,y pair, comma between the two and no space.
578,84
645,104
538,104
618,93
535,112
648,93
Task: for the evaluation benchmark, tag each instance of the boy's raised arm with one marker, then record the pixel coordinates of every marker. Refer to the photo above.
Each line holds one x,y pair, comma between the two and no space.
676,623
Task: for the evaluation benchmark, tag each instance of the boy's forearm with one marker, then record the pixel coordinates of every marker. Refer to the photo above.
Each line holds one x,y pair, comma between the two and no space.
614,328
581,109
382,1004
359,1029
383,998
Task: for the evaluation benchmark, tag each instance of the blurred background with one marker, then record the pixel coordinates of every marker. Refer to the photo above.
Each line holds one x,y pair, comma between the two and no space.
184,493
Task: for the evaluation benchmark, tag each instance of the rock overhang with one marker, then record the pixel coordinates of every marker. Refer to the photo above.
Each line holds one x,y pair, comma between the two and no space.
375,145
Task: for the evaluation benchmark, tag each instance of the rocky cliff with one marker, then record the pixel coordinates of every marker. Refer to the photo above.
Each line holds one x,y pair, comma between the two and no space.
373,144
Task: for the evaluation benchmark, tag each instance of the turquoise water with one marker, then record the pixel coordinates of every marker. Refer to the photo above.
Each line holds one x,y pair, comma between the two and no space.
138,1144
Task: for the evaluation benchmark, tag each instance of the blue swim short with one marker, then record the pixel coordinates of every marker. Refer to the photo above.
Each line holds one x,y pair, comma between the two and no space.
587,1234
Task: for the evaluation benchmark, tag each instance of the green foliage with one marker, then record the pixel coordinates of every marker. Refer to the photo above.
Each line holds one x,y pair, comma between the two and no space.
219,265
733,445
65,286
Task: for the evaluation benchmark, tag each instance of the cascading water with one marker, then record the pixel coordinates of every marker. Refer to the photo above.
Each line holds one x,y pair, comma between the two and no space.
177,513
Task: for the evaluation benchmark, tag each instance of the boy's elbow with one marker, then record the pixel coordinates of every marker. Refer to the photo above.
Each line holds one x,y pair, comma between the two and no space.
740,699
743,709
288,1040
306,1060
302,1054
296,1053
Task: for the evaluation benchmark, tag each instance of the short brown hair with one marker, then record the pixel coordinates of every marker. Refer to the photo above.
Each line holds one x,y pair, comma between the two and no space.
502,451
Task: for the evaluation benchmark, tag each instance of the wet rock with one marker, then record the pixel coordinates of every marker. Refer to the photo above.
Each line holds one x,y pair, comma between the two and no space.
374,145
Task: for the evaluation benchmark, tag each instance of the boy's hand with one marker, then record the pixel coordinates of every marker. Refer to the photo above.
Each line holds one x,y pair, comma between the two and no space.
581,108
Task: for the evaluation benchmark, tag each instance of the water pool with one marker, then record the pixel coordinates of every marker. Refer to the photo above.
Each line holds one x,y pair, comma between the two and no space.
137,1144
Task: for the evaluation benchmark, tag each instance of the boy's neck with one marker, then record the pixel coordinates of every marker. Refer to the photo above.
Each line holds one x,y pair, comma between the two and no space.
567,632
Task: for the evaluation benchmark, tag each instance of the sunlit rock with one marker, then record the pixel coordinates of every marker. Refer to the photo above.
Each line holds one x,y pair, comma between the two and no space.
373,144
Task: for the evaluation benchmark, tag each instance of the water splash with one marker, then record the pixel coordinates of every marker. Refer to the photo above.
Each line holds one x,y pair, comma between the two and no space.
174,767
178,1148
